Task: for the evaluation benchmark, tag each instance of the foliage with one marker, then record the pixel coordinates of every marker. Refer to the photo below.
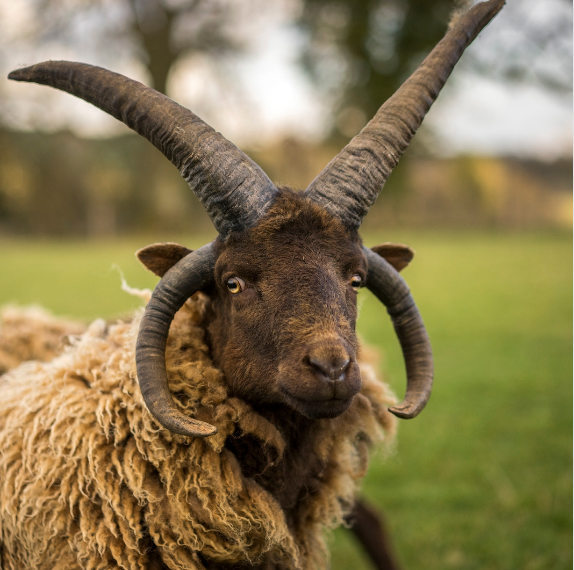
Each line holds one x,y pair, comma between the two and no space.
361,51
482,479
158,33
62,185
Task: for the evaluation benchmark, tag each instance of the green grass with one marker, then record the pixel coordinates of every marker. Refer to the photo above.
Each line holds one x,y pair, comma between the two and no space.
482,479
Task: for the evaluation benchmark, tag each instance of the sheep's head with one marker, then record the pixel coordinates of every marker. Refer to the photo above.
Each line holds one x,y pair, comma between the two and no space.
284,269
284,305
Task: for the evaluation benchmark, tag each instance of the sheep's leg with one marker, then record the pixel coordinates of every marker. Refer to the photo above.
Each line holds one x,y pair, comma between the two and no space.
368,527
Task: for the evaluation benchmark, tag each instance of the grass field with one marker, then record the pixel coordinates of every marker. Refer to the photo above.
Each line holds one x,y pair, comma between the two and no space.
482,479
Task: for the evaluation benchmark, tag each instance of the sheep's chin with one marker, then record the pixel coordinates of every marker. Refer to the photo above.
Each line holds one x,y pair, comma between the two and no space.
317,409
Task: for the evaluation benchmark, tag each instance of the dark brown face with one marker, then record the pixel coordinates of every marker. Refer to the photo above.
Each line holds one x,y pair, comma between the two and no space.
284,310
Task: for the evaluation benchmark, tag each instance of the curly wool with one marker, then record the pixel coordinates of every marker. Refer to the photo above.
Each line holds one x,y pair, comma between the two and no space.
32,334
89,480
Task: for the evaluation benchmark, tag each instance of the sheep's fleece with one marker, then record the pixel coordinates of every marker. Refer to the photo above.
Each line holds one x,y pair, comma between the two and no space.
89,480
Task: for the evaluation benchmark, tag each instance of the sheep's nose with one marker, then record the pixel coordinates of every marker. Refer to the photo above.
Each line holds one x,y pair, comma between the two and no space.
329,364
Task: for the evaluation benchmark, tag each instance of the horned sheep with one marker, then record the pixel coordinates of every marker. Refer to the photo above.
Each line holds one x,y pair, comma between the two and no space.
112,482
228,424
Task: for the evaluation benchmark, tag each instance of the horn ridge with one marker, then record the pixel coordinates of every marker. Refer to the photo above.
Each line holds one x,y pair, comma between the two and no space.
233,189
351,182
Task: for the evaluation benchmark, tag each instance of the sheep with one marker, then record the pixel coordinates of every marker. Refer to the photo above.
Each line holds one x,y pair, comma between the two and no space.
98,419
32,334
229,424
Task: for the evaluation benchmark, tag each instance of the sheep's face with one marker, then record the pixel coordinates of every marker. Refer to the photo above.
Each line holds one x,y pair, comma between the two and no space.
285,307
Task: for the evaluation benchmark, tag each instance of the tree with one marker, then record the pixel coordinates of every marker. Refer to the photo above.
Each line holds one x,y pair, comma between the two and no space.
96,193
357,51
157,32
360,51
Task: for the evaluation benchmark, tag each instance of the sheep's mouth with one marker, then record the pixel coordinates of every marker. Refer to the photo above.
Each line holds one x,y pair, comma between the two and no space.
317,409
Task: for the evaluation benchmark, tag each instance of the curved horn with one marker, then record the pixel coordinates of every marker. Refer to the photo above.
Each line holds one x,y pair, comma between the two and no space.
186,277
391,289
232,188
351,182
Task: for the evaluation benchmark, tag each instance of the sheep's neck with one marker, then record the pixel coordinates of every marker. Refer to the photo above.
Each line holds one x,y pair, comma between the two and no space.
294,475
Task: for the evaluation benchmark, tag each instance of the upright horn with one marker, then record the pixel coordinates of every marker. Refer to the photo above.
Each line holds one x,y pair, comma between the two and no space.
232,188
351,182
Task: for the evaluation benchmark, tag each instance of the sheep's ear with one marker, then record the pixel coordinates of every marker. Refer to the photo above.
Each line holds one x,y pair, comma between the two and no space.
397,254
159,257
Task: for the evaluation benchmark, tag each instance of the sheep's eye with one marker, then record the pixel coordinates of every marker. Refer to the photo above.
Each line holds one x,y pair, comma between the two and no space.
356,282
235,285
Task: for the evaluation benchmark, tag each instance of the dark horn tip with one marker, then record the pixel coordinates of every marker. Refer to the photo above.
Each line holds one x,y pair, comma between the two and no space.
17,75
407,411
29,73
204,430
191,428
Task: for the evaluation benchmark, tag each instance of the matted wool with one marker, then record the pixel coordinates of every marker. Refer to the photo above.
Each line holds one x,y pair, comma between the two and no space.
32,333
89,479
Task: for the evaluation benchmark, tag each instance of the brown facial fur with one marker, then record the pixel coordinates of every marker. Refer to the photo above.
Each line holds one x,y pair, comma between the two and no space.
289,336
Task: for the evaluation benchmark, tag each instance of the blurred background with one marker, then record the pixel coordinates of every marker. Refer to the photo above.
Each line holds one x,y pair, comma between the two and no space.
484,195
289,81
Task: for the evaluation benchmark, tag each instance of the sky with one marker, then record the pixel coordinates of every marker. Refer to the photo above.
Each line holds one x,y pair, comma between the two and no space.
271,98
478,115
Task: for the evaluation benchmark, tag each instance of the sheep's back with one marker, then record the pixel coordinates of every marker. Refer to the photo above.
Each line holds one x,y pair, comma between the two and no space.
31,333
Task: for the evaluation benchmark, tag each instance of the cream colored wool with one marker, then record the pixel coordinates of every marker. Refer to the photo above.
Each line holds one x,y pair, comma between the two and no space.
88,479
31,333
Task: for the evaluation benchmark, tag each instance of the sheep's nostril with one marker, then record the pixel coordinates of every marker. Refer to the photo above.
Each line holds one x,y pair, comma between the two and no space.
334,369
